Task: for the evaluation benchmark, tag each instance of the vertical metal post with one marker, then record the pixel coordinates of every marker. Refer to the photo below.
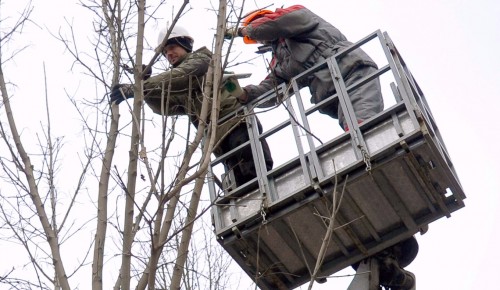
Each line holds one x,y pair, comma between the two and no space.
346,105
257,151
213,197
398,73
367,276
313,156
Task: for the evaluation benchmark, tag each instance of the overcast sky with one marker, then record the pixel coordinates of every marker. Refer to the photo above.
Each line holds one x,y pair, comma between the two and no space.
452,49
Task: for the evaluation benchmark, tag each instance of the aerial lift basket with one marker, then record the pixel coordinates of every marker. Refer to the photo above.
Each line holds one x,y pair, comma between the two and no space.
385,179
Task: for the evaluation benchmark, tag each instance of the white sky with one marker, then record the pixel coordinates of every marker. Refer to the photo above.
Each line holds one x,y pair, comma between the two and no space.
451,47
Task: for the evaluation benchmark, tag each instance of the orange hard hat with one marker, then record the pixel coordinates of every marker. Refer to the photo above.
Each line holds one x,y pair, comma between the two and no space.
251,17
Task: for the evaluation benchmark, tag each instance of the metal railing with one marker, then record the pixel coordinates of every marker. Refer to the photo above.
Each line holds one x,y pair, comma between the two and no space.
395,159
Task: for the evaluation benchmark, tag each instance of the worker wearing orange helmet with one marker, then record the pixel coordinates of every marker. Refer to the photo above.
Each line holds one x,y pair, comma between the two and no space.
185,80
300,39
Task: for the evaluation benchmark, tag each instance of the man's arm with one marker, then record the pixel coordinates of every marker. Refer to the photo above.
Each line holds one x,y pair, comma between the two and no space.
196,65
251,92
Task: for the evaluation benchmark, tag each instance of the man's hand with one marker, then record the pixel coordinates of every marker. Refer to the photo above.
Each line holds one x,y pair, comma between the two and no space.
146,71
243,98
232,32
121,92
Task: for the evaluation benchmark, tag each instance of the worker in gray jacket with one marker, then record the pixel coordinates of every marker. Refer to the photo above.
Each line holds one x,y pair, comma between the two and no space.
301,39
187,72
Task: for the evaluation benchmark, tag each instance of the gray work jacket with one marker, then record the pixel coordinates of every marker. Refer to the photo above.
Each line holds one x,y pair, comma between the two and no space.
300,39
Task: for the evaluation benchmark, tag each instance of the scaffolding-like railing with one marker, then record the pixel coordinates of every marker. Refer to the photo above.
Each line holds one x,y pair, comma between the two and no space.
382,181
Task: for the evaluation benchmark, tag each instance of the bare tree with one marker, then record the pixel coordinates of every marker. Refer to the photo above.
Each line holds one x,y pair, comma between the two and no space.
141,212
30,180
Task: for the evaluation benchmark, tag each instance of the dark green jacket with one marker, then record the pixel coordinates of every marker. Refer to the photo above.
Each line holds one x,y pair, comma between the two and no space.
189,73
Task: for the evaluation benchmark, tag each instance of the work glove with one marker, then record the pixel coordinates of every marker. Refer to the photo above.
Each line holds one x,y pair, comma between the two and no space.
147,72
121,92
232,32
